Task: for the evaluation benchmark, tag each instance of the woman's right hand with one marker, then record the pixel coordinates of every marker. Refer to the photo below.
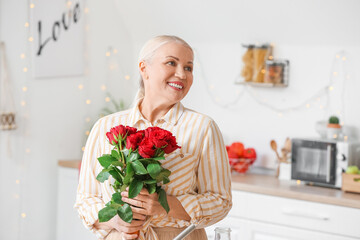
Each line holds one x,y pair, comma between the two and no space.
128,230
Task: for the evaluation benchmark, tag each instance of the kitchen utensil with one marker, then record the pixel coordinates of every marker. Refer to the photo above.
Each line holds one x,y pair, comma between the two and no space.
273,145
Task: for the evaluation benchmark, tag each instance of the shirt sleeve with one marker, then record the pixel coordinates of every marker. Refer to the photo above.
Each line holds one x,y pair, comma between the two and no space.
213,200
89,198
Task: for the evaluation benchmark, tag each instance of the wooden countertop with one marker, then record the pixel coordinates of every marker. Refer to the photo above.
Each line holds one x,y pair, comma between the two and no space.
270,185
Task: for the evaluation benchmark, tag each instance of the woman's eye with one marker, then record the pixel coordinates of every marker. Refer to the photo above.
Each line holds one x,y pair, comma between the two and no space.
171,63
188,69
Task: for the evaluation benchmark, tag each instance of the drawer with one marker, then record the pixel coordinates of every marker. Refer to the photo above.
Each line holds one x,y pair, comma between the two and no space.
296,213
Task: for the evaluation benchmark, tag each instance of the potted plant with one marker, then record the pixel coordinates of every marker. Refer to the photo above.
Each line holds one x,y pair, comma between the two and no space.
333,128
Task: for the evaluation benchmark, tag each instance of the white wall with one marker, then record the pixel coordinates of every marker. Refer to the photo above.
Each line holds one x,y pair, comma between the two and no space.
308,33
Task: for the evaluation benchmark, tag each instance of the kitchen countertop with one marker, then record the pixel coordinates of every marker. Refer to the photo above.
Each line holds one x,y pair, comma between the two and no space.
270,185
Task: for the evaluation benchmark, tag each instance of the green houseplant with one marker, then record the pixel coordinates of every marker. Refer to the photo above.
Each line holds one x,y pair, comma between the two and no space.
333,128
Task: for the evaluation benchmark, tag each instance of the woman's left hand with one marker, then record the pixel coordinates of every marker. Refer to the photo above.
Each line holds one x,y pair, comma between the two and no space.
144,203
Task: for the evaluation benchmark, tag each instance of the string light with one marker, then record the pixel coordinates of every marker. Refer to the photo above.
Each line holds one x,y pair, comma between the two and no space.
69,4
32,5
271,57
308,105
335,73
17,181
107,54
83,149
25,69
280,114
344,58
87,119
30,39
23,215
127,77
26,24
23,103
115,51
337,56
345,138
16,196
107,99
86,10
88,101
81,86
22,56
103,87
87,133
24,89
331,88
27,150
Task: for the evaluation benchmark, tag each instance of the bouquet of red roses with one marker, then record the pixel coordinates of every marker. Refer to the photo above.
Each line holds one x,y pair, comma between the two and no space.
134,162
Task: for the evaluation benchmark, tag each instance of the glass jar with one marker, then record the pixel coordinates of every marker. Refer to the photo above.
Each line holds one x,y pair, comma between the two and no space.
222,233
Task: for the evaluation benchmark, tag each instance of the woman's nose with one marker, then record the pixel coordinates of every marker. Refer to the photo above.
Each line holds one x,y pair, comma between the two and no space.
180,73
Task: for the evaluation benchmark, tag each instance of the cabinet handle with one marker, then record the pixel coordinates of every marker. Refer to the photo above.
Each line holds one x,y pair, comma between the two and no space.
298,213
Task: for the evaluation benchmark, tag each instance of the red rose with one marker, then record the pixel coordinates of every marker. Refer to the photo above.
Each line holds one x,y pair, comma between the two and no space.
146,148
134,140
162,139
119,133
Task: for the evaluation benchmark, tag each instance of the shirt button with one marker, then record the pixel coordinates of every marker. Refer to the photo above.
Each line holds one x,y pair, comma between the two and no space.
181,155
161,121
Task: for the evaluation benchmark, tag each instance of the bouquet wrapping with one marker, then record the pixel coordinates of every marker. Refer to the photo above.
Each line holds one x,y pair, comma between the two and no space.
135,163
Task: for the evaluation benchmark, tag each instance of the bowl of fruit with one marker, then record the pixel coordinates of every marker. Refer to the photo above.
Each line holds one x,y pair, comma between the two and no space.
240,158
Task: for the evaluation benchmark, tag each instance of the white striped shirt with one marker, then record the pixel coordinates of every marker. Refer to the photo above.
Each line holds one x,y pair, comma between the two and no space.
200,173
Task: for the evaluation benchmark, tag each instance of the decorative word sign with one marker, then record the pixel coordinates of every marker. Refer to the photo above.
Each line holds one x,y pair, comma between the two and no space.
58,34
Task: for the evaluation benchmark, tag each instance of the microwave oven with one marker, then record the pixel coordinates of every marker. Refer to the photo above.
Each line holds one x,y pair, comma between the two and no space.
321,161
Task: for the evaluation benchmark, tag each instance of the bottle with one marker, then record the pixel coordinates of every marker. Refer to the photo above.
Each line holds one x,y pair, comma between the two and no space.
222,233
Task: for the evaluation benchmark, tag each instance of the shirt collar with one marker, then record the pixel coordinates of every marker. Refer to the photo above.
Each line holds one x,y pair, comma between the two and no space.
172,116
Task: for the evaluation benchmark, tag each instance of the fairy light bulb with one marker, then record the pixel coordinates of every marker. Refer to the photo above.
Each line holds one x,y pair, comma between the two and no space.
83,149
81,86
280,114
23,103
22,56
87,133
344,58
263,71
115,51
107,54
331,88
88,101
107,99
25,69
87,119
307,105
27,150
17,181
86,10
26,24
103,87
127,77
345,138
68,4
335,73
24,89
23,215
298,182
32,5
30,39
16,196
271,57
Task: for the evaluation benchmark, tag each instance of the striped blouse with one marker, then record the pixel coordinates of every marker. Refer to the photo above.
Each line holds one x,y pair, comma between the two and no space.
200,173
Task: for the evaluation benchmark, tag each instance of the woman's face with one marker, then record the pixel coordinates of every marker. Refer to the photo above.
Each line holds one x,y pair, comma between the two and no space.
168,76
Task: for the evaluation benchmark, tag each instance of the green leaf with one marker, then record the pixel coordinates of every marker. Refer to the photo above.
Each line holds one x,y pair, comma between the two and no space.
135,188
154,169
117,163
106,160
106,214
138,167
117,198
151,188
163,200
133,156
129,174
125,213
115,174
166,180
115,154
150,181
103,175
164,172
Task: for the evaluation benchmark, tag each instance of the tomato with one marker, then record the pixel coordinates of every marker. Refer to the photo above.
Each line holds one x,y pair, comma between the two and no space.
250,153
237,148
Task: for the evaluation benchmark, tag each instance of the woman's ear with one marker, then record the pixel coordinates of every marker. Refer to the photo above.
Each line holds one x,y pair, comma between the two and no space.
142,70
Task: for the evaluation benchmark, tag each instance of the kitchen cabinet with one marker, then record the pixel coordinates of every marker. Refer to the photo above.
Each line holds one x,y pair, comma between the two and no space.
262,217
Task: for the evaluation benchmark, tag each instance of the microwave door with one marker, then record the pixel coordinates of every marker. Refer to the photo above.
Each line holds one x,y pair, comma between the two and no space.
328,163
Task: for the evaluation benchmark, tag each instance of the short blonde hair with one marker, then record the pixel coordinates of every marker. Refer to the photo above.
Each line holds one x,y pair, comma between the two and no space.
148,51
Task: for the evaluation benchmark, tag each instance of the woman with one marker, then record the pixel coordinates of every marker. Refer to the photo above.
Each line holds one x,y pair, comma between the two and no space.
199,190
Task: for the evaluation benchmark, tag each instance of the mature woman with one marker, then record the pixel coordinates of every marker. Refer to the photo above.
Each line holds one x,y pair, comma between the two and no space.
199,190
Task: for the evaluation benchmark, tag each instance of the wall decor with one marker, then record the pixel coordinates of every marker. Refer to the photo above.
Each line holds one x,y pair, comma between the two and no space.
57,35
7,106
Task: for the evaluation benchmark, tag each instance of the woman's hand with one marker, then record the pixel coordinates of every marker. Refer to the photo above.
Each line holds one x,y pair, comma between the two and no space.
144,203
127,230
